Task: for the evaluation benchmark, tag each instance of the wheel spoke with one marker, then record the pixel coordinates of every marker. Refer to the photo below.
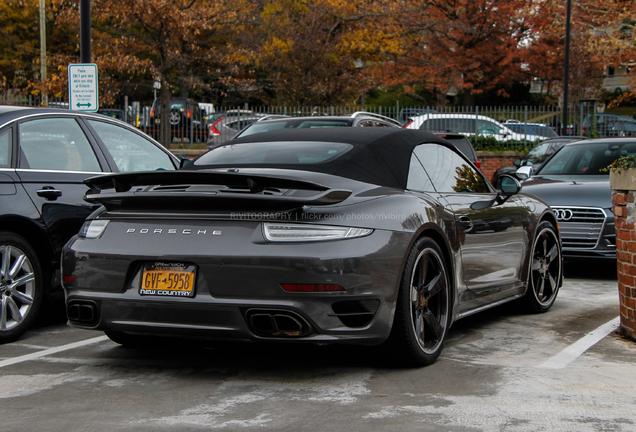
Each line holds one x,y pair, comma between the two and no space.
30,277
419,327
553,254
434,324
15,310
540,287
17,266
435,286
422,271
3,312
6,261
24,298
536,264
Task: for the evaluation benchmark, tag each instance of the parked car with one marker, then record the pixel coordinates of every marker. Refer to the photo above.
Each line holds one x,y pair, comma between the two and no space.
112,112
621,129
465,124
537,156
45,155
463,145
310,235
573,184
604,122
226,128
533,131
407,113
184,113
357,119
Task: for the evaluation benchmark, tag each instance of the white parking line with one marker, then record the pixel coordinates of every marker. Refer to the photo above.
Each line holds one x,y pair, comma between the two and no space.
50,351
572,352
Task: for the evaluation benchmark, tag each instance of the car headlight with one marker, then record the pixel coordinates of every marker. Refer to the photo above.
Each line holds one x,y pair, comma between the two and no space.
93,229
278,232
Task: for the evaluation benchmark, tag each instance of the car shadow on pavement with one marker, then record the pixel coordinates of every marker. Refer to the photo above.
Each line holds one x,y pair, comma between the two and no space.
590,269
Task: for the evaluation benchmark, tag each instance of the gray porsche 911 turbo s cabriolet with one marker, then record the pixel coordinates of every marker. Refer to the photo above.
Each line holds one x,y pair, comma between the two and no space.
365,236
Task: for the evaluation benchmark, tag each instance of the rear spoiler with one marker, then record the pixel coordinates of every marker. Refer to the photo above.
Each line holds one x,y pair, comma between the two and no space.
185,190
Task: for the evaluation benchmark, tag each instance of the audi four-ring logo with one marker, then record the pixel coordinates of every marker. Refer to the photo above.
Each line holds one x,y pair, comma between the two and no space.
564,214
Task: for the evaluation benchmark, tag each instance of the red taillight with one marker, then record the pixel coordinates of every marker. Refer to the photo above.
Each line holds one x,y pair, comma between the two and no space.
213,129
68,278
312,287
477,164
152,112
406,126
189,113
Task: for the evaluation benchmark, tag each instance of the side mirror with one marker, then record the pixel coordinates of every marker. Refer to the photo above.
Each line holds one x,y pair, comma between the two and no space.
507,185
517,162
525,172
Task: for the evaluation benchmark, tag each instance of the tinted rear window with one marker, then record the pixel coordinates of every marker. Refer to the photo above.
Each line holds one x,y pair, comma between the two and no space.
274,153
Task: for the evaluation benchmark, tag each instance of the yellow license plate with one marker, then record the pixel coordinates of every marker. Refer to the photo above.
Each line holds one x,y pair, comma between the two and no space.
166,279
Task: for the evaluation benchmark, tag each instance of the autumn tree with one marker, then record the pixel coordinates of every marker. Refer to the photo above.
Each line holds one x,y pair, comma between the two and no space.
20,46
471,46
176,41
314,51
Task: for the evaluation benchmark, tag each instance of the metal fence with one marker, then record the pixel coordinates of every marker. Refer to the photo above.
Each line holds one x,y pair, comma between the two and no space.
191,127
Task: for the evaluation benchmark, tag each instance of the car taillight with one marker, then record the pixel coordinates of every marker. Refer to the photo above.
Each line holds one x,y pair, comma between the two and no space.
213,130
189,113
152,112
477,164
406,126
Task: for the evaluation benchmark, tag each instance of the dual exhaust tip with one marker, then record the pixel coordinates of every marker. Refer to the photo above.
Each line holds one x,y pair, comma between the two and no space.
276,323
82,312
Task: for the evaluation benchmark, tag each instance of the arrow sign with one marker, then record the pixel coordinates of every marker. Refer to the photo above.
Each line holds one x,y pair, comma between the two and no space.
83,94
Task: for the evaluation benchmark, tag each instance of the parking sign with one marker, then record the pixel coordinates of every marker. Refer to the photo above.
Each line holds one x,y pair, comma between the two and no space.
83,94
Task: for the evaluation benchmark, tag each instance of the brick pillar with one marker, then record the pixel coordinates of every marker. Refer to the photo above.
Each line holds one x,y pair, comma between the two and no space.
625,215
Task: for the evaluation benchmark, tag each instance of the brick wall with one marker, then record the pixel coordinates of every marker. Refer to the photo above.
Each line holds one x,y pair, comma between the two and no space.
492,161
625,216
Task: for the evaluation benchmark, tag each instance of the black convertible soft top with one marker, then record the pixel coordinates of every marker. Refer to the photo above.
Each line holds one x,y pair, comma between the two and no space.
378,156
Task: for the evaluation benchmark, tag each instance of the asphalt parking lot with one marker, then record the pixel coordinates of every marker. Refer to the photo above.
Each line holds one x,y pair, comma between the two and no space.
502,370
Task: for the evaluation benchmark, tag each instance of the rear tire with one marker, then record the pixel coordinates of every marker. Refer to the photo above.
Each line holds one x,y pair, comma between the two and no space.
21,286
545,270
422,315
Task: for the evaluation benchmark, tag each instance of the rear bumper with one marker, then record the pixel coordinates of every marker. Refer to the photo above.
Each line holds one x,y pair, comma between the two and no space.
238,274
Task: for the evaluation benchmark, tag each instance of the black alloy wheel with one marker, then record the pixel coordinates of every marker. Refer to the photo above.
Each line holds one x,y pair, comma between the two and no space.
545,270
423,308
21,289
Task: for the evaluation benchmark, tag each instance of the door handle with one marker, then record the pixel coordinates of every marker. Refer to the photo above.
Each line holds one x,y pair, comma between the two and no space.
466,223
49,193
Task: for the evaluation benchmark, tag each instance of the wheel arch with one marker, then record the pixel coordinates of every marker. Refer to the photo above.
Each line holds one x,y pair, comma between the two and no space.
35,234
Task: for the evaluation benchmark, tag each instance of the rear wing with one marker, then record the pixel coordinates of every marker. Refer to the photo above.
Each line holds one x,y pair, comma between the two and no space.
205,190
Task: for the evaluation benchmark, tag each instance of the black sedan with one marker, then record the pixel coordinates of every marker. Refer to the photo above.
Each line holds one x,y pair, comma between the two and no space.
45,154
575,184
339,235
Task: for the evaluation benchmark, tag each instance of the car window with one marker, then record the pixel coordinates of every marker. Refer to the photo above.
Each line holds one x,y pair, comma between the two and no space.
537,154
5,148
130,151
56,144
448,171
587,159
418,180
273,153
240,124
365,123
487,127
